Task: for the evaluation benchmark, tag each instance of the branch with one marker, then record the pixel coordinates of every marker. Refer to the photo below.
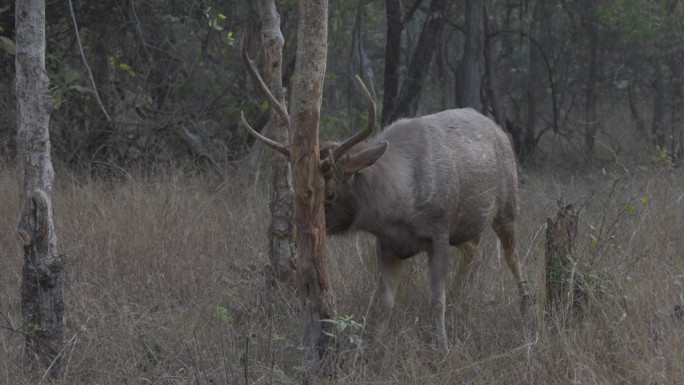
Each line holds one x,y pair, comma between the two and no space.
85,62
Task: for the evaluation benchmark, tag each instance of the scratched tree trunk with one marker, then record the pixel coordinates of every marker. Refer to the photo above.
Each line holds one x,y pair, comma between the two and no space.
312,273
281,237
42,306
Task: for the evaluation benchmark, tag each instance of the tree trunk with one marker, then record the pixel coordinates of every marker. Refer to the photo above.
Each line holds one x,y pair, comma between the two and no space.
592,78
534,83
409,96
471,64
657,129
560,244
312,273
392,59
490,71
281,237
42,305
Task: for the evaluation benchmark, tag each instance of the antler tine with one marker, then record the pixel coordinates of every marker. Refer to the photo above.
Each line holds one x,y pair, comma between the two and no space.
260,82
354,140
271,143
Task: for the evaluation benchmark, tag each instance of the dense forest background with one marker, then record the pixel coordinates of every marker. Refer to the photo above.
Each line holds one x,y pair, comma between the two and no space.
165,244
593,79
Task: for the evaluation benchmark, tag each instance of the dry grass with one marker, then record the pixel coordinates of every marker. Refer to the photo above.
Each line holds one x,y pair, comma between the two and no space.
167,282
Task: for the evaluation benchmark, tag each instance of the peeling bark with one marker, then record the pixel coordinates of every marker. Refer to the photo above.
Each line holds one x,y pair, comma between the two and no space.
280,233
42,304
312,275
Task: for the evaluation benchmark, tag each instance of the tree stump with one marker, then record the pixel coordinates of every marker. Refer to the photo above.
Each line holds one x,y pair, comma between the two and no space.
561,234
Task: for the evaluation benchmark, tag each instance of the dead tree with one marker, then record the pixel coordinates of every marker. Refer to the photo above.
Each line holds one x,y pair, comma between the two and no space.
42,305
560,266
280,234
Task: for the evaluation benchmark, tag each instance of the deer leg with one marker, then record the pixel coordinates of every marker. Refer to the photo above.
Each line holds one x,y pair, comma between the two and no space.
437,260
506,235
468,251
390,268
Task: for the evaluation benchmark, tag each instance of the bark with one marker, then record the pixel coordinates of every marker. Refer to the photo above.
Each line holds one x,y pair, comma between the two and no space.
534,84
42,304
592,78
490,72
636,116
657,129
561,234
312,273
409,96
392,59
471,64
281,237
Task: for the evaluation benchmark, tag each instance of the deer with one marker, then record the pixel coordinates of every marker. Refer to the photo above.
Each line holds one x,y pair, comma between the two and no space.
421,185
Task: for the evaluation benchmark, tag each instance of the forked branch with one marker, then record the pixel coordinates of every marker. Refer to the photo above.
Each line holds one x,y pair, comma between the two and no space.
360,136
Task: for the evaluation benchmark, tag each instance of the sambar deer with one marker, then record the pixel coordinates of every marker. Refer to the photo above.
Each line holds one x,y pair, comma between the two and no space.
422,184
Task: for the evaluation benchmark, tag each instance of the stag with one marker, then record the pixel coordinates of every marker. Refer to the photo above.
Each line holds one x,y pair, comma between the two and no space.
422,184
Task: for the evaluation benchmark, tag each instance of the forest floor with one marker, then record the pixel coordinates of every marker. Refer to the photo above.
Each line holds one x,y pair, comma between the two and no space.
167,282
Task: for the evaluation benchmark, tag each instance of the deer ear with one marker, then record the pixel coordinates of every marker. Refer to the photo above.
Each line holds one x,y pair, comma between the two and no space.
356,162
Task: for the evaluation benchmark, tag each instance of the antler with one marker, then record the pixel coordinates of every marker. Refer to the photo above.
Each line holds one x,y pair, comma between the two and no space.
260,82
360,136
271,143
271,101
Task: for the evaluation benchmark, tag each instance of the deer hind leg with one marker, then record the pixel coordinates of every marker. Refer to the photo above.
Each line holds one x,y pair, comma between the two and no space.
390,268
437,260
468,250
505,231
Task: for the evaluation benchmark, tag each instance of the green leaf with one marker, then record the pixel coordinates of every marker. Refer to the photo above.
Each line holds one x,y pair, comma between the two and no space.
644,201
70,76
223,315
57,97
32,329
8,46
629,207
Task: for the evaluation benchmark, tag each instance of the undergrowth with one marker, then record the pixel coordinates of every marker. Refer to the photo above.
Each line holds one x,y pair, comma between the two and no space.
167,282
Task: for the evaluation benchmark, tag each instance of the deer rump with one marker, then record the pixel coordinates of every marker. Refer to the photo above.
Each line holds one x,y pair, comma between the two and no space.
449,174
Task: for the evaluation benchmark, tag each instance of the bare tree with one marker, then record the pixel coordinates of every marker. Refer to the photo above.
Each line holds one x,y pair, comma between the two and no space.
471,65
281,237
313,280
407,100
535,85
590,23
42,305
392,58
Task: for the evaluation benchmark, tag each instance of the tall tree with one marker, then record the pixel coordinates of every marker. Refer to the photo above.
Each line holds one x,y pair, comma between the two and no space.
535,83
419,65
281,237
471,64
492,88
591,26
313,279
42,304
392,58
